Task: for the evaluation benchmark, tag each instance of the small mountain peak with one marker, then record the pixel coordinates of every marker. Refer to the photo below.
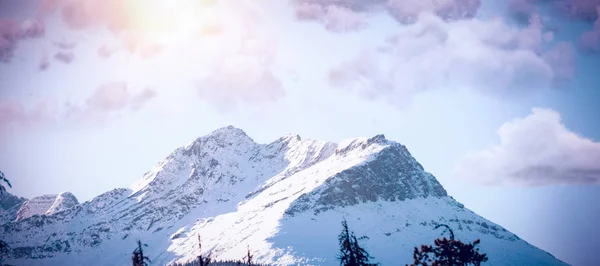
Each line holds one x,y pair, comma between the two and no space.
37,205
290,137
227,129
379,138
228,132
63,201
69,196
363,143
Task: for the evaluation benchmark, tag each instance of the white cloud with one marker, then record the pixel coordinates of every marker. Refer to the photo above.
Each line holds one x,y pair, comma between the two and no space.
241,69
432,53
535,150
351,15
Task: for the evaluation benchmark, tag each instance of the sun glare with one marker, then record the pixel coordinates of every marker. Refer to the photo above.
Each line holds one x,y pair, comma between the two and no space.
167,22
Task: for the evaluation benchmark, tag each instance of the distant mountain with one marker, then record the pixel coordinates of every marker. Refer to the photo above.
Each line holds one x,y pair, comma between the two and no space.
9,206
46,204
285,200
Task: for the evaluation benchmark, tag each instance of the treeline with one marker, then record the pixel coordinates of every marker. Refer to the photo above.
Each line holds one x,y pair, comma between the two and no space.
444,252
139,259
218,263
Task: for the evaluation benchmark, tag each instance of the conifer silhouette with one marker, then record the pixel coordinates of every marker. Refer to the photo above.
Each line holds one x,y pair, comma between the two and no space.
3,179
138,257
203,261
346,255
248,258
449,252
351,253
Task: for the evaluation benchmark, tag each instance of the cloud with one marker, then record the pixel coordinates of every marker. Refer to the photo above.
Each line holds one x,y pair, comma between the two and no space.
572,9
236,81
562,60
533,151
348,15
11,33
116,96
150,50
107,100
239,60
9,36
140,26
44,63
590,40
12,113
244,77
335,18
106,51
580,10
32,28
64,56
65,44
407,11
432,53
522,9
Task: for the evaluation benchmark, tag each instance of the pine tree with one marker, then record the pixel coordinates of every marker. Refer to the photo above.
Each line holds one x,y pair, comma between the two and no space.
3,179
346,255
248,258
361,255
449,252
351,253
138,257
204,261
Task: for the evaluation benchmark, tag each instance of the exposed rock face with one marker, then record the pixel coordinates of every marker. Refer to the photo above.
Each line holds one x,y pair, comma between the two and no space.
273,197
9,206
35,206
46,205
393,174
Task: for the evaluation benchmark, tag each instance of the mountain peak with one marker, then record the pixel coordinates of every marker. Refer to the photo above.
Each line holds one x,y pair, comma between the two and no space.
63,201
235,192
290,137
376,142
228,131
46,204
222,137
227,136
379,138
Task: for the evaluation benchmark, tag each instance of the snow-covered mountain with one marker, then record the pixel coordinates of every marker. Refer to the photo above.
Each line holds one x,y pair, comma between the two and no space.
285,200
46,204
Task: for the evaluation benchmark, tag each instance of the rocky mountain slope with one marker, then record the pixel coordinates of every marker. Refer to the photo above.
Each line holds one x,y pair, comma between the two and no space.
9,206
46,205
284,199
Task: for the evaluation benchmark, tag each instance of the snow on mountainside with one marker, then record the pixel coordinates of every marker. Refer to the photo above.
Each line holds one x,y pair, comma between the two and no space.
62,202
38,205
285,199
46,204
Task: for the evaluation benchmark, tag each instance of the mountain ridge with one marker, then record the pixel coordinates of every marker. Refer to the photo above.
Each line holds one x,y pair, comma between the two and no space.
236,192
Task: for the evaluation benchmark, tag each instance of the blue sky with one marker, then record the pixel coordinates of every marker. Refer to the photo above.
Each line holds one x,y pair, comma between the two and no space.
502,110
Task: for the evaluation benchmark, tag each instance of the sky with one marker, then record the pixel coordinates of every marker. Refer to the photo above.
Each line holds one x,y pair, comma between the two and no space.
497,99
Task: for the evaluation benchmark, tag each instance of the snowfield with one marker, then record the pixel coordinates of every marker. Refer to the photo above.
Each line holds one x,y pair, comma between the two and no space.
285,200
